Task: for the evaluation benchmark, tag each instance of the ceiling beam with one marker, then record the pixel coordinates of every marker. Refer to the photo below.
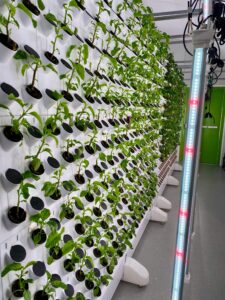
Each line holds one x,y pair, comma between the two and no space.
177,14
183,61
180,42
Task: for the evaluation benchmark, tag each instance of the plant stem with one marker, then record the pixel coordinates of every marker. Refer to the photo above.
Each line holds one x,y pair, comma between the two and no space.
54,46
40,148
18,200
65,16
94,33
70,79
34,75
7,23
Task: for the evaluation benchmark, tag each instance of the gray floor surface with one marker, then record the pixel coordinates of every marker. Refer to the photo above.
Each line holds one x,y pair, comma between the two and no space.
157,246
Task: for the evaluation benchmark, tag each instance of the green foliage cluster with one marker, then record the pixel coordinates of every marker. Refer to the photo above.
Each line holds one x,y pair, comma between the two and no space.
173,92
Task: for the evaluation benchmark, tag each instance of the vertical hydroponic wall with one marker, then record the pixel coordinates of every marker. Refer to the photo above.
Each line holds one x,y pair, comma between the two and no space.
81,111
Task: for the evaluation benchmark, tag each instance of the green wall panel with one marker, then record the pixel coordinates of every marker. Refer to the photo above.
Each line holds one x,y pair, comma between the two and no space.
212,130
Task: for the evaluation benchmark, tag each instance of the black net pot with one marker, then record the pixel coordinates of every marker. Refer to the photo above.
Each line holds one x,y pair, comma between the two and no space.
19,287
12,135
41,295
16,215
38,236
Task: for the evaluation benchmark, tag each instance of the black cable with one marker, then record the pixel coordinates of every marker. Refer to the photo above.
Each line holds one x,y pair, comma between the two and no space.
184,43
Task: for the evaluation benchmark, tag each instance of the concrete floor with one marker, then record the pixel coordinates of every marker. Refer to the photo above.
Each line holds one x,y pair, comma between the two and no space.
157,246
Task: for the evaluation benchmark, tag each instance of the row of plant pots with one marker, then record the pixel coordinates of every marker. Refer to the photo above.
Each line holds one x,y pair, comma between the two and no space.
94,229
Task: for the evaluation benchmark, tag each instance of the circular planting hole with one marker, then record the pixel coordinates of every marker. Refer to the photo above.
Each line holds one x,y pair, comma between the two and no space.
55,252
67,96
67,238
67,156
52,58
68,265
18,253
38,171
80,276
37,203
88,174
79,178
66,64
19,287
79,228
89,197
56,195
8,89
13,176
53,162
39,268
38,236
12,135
67,127
35,132
69,291
17,215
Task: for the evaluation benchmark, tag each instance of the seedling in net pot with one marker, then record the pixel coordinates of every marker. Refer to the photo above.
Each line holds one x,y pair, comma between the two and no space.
48,291
31,61
20,286
82,166
17,214
91,145
38,235
84,219
10,19
83,117
74,76
6,22
54,244
51,189
67,154
51,55
62,112
68,16
36,165
97,24
13,132
67,208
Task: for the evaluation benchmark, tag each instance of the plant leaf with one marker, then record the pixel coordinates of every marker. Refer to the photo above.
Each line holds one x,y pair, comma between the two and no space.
11,267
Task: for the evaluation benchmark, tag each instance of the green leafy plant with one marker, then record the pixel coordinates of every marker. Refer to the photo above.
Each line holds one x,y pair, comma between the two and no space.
51,189
21,285
74,76
17,122
32,62
6,22
53,243
49,289
43,147
42,221
83,117
24,187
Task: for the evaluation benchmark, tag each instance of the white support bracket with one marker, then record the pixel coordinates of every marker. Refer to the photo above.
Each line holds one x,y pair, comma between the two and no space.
158,215
187,278
178,167
172,181
163,203
134,272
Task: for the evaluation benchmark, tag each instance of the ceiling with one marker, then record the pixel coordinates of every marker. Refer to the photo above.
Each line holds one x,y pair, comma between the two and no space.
175,28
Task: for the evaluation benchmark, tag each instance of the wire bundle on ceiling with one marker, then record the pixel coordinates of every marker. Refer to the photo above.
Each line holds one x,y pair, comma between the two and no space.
218,17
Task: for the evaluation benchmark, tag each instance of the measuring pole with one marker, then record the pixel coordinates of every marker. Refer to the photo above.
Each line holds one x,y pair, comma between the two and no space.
207,10
201,40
